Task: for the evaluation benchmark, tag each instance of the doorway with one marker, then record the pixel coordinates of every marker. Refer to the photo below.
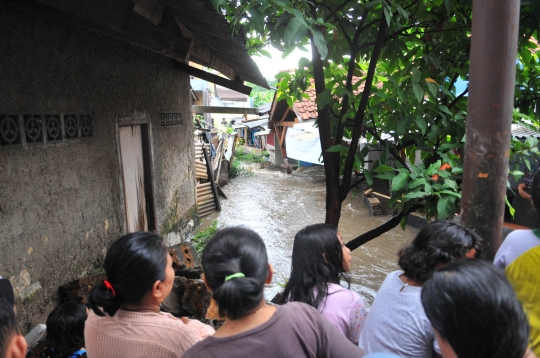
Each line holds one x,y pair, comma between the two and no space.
137,177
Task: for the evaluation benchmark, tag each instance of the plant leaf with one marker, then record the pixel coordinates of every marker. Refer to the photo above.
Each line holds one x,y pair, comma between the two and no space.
399,181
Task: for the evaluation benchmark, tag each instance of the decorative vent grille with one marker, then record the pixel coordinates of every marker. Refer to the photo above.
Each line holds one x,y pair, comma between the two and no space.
33,129
87,125
71,126
10,130
53,125
169,119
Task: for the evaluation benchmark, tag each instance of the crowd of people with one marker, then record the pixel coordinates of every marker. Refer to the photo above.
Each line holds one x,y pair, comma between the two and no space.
445,301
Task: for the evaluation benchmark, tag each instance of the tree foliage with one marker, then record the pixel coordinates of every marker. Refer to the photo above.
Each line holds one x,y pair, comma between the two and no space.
386,71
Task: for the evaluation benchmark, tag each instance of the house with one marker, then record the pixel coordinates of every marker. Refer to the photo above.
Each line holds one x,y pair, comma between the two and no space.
295,136
96,133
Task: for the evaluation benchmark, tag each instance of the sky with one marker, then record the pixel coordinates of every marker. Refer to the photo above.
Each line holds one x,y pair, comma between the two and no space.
271,66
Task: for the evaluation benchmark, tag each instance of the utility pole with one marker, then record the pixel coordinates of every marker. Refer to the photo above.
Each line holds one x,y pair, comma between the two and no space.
495,28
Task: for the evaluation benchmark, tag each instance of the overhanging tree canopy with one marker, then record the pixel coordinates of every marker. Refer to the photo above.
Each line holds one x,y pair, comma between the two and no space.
418,50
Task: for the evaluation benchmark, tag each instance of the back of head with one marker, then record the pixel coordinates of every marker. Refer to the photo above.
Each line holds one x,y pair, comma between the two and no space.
236,251
65,328
474,308
317,259
133,264
439,242
12,344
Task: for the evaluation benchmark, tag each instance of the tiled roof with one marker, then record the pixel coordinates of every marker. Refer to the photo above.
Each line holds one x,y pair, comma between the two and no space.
306,108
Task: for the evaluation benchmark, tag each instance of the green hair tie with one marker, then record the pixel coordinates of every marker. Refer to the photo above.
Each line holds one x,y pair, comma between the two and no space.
234,275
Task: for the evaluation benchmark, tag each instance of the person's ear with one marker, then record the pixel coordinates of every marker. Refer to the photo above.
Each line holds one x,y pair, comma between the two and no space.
270,274
157,290
206,282
17,347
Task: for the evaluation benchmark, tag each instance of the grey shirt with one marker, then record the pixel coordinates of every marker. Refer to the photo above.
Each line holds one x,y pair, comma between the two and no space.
295,330
397,322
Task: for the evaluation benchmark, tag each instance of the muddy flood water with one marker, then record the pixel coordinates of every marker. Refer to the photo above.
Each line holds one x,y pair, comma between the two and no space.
277,205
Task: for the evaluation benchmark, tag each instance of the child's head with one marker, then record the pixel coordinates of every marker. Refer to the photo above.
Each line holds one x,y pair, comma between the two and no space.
475,311
12,343
236,268
65,328
319,257
438,243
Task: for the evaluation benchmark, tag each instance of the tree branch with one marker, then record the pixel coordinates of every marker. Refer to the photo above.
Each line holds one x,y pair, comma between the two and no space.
359,118
379,230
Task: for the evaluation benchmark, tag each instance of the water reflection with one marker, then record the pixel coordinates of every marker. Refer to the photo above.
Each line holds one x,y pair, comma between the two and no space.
277,205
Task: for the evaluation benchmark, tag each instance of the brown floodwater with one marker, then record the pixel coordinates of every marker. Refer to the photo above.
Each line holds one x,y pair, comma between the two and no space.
276,205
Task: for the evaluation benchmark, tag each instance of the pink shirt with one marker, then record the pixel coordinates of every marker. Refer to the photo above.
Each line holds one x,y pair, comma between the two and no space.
141,334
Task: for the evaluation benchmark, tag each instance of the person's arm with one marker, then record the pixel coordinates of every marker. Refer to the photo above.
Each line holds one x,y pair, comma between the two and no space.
357,319
523,193
529,353
336,344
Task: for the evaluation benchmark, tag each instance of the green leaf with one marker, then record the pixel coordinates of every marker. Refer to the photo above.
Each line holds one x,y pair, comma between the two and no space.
399,181
265,53
320,43
337,148
418,92
403,222
444,207
324,98
417,182
416,75
387,14
449,183
216,3
369,177
448,192
510,207
434,168
449,7
383,168
421,123
415,195
444,109
295,31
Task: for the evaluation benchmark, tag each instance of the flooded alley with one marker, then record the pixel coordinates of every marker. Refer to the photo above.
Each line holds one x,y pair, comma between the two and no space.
277,205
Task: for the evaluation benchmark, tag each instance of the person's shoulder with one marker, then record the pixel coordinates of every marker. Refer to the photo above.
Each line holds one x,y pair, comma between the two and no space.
339,292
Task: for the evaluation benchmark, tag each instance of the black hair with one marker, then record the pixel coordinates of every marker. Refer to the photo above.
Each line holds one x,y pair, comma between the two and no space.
65,328
317,260
439,242
474,308
8,324
236,250
133,264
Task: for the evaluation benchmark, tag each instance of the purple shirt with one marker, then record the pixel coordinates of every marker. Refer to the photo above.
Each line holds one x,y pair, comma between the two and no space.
345,310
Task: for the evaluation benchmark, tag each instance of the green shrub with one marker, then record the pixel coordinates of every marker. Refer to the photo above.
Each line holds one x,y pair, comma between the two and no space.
238,169
202,237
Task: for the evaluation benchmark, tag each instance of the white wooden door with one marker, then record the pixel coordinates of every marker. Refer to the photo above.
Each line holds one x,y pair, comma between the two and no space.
131,153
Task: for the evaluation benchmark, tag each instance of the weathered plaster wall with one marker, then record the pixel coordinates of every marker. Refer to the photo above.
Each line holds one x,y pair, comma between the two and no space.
62,204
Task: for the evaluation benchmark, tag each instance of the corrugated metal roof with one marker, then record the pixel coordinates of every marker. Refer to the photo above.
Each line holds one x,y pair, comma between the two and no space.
212,29
226,94
521,131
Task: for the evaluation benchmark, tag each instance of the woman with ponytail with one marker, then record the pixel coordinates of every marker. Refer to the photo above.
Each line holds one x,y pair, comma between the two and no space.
126,320
236,268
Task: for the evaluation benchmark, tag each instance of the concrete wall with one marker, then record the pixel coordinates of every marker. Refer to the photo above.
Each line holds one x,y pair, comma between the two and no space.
62,204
